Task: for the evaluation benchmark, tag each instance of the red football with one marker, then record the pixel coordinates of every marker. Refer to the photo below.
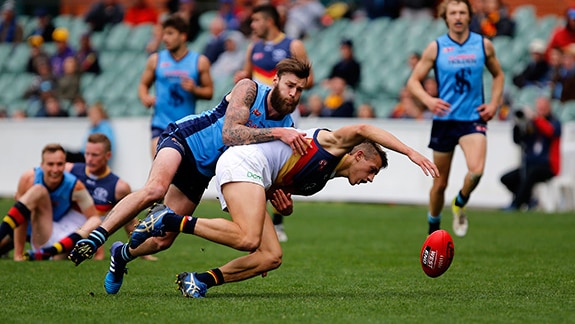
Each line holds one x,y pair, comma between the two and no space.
437,253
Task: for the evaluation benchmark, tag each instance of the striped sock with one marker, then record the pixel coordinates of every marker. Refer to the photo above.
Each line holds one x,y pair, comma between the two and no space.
17,215
211,278
98,236
64,245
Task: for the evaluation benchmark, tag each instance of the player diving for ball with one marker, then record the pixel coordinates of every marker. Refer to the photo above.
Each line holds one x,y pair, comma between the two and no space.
249,175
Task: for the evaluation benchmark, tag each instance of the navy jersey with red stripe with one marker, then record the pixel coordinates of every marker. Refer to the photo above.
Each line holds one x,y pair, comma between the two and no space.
102,189
266,55
302,175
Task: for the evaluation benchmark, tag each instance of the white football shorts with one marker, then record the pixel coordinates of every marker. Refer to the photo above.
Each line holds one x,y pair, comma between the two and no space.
242,163
68,224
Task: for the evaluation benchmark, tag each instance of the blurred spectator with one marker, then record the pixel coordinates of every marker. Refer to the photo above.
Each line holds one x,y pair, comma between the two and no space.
102,13
417,9
563,36
42,85
87,56
10,30
19,114
244,10
304,18
99,123
555,66
44,25
68,85
37,54
139,12
339,101
232,59
412,59
492,19
409,108
79,107
228,13
564,83
348,68
188,10
365,110
536,72
539,135
378,8
3,112
51,108
63,50
215,46
314,106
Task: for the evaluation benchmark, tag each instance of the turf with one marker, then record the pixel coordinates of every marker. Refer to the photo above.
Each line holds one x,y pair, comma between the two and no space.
343,263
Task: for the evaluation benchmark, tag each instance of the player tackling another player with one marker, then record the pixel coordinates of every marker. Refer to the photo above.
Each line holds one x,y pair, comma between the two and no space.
460,113
249,175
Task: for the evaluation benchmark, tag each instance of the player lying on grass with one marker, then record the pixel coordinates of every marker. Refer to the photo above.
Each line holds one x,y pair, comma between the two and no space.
247,176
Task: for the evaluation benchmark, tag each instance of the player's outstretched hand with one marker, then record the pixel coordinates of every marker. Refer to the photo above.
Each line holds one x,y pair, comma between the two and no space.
295,139
428,167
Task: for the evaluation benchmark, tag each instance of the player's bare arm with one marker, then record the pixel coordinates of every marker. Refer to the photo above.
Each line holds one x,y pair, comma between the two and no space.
344,139
436,105
246,71
298,51
84,200
235,132
488,110
205,88
147,79
122,190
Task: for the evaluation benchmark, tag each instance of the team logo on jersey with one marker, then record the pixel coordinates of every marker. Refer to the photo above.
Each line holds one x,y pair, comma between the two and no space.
462,83
165,64
279,54
257,112
448,49
322,164
100,194
258,56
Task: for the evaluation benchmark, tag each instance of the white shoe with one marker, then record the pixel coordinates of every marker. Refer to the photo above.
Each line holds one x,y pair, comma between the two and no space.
281,233
460,223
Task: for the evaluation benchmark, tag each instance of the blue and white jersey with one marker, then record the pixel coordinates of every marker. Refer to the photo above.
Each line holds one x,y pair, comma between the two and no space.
61,197
459,74
172,101
203,133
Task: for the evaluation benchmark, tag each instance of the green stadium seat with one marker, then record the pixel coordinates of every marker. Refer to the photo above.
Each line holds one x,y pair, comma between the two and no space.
17,59
206,18
117,37
139,37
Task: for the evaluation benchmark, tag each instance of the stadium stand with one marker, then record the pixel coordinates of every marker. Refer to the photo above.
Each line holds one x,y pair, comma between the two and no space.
382,47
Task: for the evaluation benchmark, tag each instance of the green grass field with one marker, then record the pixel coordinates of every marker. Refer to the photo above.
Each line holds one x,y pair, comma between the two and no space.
343,263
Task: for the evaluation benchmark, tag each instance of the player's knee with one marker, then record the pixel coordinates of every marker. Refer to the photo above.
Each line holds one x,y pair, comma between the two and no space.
272,261
154,192
439,186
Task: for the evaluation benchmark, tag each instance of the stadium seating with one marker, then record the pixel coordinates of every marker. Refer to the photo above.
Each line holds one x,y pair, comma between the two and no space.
381,45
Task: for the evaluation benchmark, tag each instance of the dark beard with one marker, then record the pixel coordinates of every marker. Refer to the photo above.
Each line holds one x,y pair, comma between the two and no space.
279,105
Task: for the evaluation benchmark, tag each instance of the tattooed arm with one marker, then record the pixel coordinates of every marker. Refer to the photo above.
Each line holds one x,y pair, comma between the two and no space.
235,131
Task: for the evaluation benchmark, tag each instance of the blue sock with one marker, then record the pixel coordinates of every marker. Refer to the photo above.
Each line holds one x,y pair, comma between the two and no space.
461,200
125,254
433,219
98,236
